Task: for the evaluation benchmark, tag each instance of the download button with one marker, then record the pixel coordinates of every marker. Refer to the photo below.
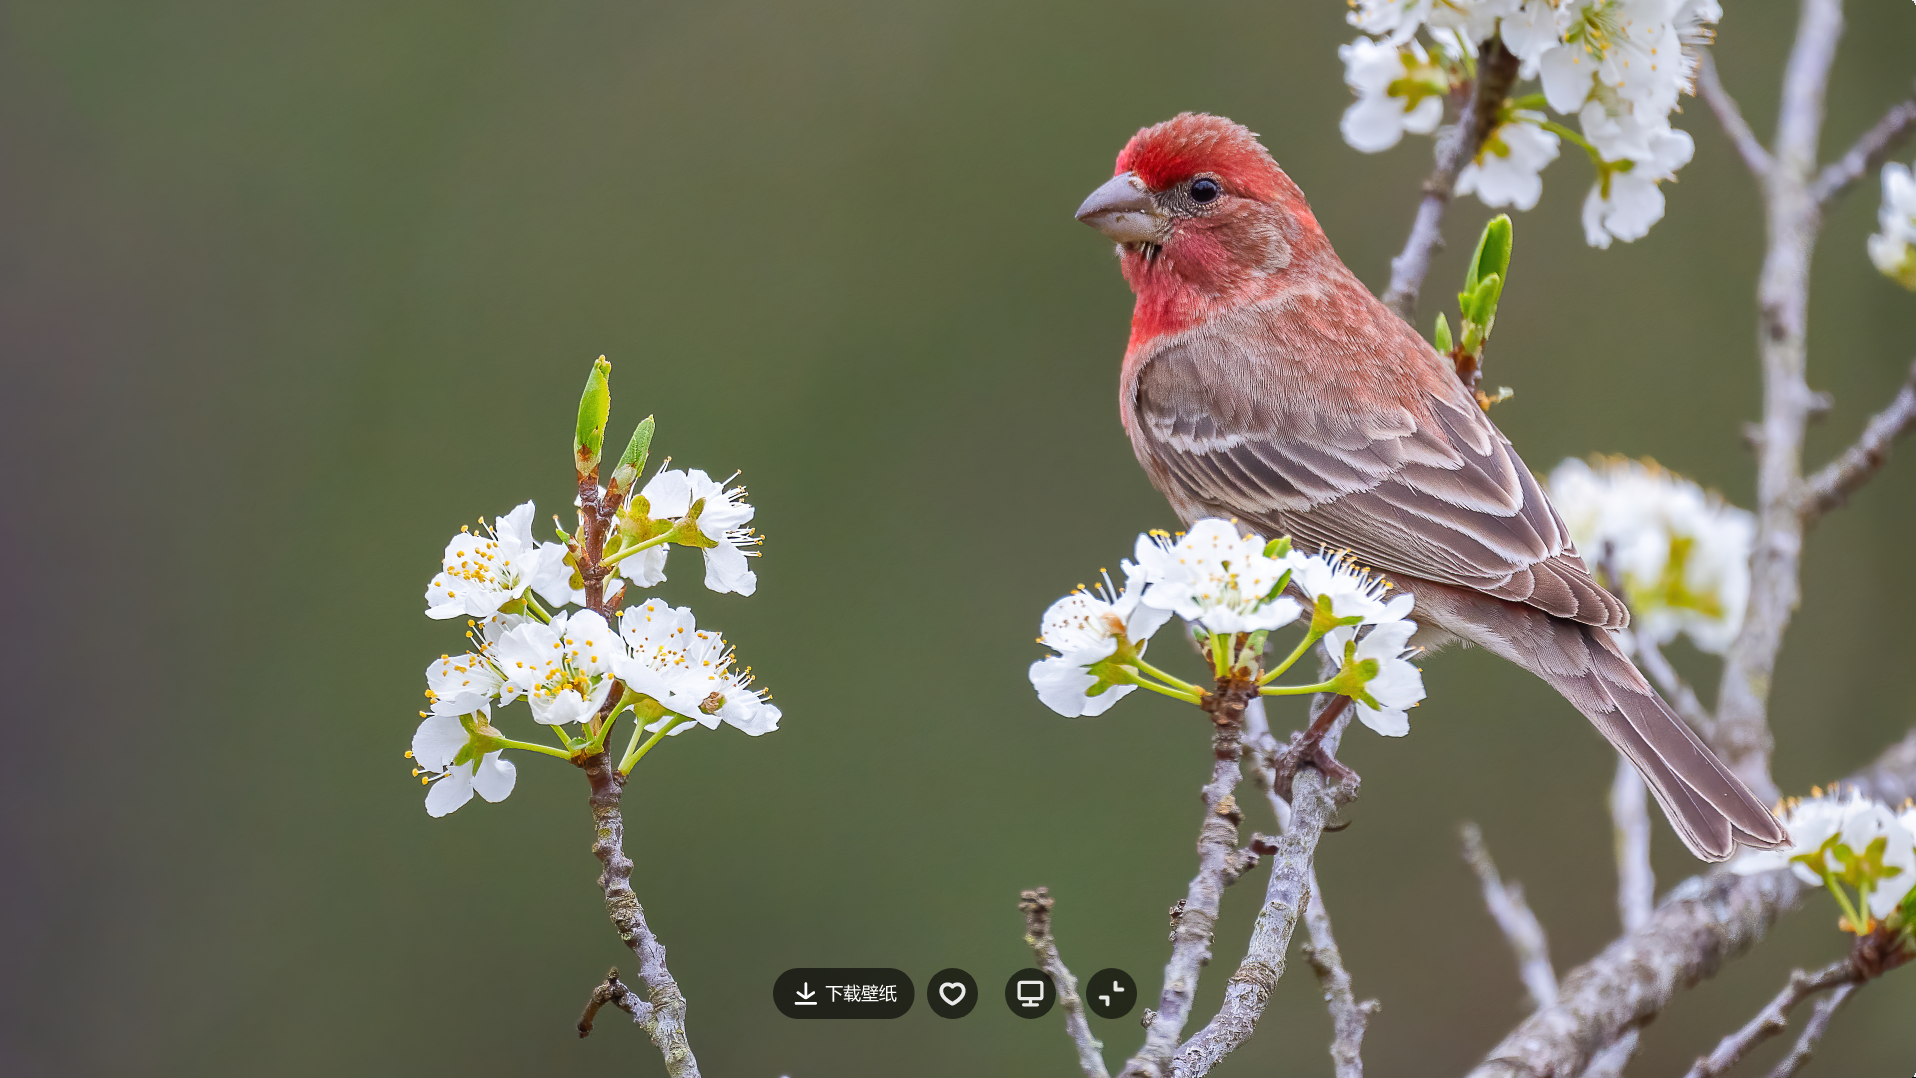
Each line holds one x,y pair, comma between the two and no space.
842,993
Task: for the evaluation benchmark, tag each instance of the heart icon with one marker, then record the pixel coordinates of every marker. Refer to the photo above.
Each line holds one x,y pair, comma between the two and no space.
951,992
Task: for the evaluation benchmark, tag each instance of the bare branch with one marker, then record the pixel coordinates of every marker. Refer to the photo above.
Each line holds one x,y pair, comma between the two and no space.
1496,72
1349,1018
1813,1031
1194,918
1836,481
1742,734
615,992
1710,87
1676,690
1610,1062
1702,923
1774,1018
1037,910
664,1022
1513,916
1630,816
1313,803
1868,153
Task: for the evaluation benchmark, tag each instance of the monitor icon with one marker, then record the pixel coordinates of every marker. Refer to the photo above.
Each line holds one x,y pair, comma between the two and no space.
1030,993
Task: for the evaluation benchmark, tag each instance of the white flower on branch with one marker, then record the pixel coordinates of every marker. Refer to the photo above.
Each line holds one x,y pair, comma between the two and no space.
689,671
1398,90
1509,169
1396,20
1682,555
722,534
463,684
1378,677
437,747
1214,577
481,573
1087,627
564,668
1637,156
1352,592
1850,838
1893,247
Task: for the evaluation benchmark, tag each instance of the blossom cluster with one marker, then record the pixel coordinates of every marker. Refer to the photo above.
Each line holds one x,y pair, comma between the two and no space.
1618,66
1849,843
1680,555
578,659
1893,247
1233,589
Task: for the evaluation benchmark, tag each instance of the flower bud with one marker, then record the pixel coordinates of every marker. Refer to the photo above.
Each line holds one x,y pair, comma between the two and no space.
595,404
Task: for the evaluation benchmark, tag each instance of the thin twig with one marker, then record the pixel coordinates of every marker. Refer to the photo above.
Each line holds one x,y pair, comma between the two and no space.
1496,72
1677,691
1313,803
1870,150
1703,922
613,991
1836,481
1630,818
1513,916
1774,1018
1710,87
1742,734
1813,1030
1610,1062
1037,905
1194,917
1349,1018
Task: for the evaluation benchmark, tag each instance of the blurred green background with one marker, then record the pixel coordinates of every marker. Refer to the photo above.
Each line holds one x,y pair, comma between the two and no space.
290,291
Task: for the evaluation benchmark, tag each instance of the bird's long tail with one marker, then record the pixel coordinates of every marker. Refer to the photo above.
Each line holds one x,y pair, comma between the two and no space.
1709,806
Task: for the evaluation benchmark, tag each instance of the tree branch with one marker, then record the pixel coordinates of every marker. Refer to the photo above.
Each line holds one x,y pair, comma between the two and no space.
1349,1018
1037,910
1742,734
1836,481
1513,916
1710,87
665,1022
1813,1031
1774,1018
1496,72
1194,918
615,992
1702,923
1868,153
1630,817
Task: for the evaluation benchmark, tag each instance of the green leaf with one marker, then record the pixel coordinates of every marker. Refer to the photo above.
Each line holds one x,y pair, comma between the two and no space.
632,462
1442,337
1493,253
595,404
1481,306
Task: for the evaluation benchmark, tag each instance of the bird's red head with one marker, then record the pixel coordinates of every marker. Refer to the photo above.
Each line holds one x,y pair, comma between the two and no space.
1204,220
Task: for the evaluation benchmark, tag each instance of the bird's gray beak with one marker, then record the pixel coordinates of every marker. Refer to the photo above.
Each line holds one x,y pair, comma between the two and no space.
1124,210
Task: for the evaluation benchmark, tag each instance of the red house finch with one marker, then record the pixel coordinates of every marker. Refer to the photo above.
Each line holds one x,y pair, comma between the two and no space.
1264,383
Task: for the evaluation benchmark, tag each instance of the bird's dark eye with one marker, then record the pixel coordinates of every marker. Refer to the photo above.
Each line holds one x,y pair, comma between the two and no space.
1205,190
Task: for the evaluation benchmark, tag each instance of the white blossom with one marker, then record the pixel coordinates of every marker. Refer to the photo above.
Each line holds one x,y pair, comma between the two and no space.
1508,171
1893,247
1624,205
689,671
1397,20
723,514
1353,592
1534,28
440,739
1395,687
1215,578
1828,829
1087,627
563,668
481,573
1683,555
1377,120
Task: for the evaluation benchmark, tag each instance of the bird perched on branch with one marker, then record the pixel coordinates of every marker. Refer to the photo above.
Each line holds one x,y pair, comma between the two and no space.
1264,383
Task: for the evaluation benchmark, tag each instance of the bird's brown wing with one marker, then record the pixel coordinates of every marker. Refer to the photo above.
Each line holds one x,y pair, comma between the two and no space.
1229,422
